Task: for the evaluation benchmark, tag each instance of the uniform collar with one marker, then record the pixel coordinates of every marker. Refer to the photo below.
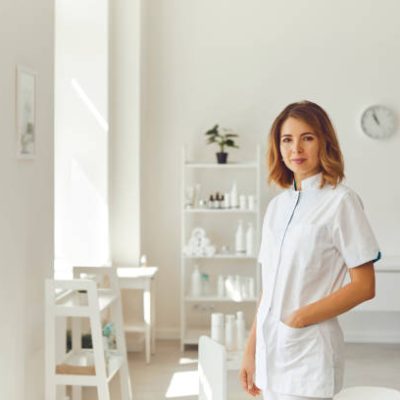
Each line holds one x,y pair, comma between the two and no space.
312,182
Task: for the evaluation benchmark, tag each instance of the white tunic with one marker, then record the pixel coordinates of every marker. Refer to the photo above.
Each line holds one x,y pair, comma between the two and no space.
309,239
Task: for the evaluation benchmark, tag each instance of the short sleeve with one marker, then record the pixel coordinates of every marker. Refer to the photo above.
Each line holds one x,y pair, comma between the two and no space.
352,233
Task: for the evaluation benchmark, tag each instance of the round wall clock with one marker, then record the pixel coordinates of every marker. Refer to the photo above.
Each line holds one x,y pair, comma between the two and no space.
378,122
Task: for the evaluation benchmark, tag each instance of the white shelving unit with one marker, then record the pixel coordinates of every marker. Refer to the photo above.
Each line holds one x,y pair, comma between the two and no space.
223,263
77,299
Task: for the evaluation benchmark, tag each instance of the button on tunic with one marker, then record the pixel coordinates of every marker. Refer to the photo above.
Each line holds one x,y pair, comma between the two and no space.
309,240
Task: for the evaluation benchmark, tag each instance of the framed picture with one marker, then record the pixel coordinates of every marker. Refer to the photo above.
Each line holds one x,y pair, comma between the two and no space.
26,113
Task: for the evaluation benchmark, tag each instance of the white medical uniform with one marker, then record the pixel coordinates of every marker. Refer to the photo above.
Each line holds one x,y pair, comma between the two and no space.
309,239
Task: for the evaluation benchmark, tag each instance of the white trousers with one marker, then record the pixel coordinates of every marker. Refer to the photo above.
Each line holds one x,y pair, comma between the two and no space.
268,395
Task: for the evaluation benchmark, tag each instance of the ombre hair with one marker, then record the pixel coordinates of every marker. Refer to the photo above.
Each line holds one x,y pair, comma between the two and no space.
330,155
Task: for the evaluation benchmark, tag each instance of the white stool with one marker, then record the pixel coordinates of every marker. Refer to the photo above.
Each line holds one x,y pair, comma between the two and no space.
368,393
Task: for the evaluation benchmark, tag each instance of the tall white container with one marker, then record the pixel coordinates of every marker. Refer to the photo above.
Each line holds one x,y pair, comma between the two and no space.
196,282
240,331
234,196
217,327
250,240
239,238
221,286
230,332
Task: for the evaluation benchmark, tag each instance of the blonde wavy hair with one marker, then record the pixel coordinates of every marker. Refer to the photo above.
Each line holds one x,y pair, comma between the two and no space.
330,155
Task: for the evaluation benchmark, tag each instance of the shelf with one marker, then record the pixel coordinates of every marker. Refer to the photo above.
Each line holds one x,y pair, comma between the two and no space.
223,257
250,164
218,211
218,299
85,359
70,305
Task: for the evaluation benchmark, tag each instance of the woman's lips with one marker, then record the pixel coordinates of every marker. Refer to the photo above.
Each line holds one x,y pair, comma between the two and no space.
298,160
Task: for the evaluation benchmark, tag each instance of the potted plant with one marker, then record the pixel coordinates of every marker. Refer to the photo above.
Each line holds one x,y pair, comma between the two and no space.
223,138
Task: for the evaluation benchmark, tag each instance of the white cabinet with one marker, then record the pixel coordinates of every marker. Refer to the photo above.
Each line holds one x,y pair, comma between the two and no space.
238,270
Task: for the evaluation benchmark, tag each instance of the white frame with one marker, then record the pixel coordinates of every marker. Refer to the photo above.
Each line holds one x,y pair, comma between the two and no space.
25,113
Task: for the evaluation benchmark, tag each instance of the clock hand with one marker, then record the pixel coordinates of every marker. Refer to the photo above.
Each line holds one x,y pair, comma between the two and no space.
375,118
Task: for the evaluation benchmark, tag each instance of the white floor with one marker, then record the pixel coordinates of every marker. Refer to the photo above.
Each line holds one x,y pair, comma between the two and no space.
173,375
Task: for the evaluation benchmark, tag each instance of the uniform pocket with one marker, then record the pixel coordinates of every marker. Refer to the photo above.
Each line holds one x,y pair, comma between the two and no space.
302,356
297,344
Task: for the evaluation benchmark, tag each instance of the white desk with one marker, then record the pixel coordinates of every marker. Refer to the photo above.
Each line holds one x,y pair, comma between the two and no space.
142,278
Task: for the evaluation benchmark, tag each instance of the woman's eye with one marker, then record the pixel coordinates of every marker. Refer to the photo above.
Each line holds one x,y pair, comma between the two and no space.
308,138
286,140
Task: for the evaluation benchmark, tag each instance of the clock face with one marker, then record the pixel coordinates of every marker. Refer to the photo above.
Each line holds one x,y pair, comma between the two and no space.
378,122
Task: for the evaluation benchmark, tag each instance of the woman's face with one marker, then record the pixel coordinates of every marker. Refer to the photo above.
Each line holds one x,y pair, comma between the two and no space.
299,146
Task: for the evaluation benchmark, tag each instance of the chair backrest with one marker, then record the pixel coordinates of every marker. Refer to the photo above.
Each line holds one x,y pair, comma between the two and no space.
104,276
368,393
212,370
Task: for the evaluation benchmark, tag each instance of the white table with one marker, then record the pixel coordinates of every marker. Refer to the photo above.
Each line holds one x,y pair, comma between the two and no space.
142,278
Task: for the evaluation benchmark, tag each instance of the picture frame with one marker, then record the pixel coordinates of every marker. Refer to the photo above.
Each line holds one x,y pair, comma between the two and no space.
26,112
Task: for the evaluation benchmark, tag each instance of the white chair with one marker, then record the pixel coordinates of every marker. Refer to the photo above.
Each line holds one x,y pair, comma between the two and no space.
368,393
212,370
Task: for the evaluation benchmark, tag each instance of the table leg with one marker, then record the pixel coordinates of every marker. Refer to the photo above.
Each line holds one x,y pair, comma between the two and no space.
147,320
153,317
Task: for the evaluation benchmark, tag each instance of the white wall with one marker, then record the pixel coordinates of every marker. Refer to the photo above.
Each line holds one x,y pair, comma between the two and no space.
26,203
124,143
81,134
239,63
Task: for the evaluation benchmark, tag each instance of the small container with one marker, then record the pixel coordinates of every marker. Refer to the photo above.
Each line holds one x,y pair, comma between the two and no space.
230,332
240,331
227,200
196,282
211,202
252,289
250,240
217,327
242,202
239,239
205,284
143,260
221,286
251,202
234,196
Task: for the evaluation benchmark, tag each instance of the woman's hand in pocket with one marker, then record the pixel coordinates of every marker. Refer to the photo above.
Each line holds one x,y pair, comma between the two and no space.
294,320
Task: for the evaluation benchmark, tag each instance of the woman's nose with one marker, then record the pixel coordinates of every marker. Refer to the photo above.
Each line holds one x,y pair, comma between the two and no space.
297,147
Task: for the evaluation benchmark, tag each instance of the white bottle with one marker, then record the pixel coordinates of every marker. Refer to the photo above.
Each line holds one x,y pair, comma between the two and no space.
227,200
242,202
239,239
252,289
221,286
240,331
230,332
251,202
217,327
196,282
234,196
250,240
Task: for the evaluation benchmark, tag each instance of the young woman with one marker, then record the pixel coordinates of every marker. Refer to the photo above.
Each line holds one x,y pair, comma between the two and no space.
314,232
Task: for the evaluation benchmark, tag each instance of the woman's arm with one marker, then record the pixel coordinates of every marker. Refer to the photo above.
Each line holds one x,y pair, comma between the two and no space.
360,289
248,363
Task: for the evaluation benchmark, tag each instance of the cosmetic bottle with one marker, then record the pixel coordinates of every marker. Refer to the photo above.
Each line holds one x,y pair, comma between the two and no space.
239,239
234,196
196,282
250,240
217,327
230,332
240,331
